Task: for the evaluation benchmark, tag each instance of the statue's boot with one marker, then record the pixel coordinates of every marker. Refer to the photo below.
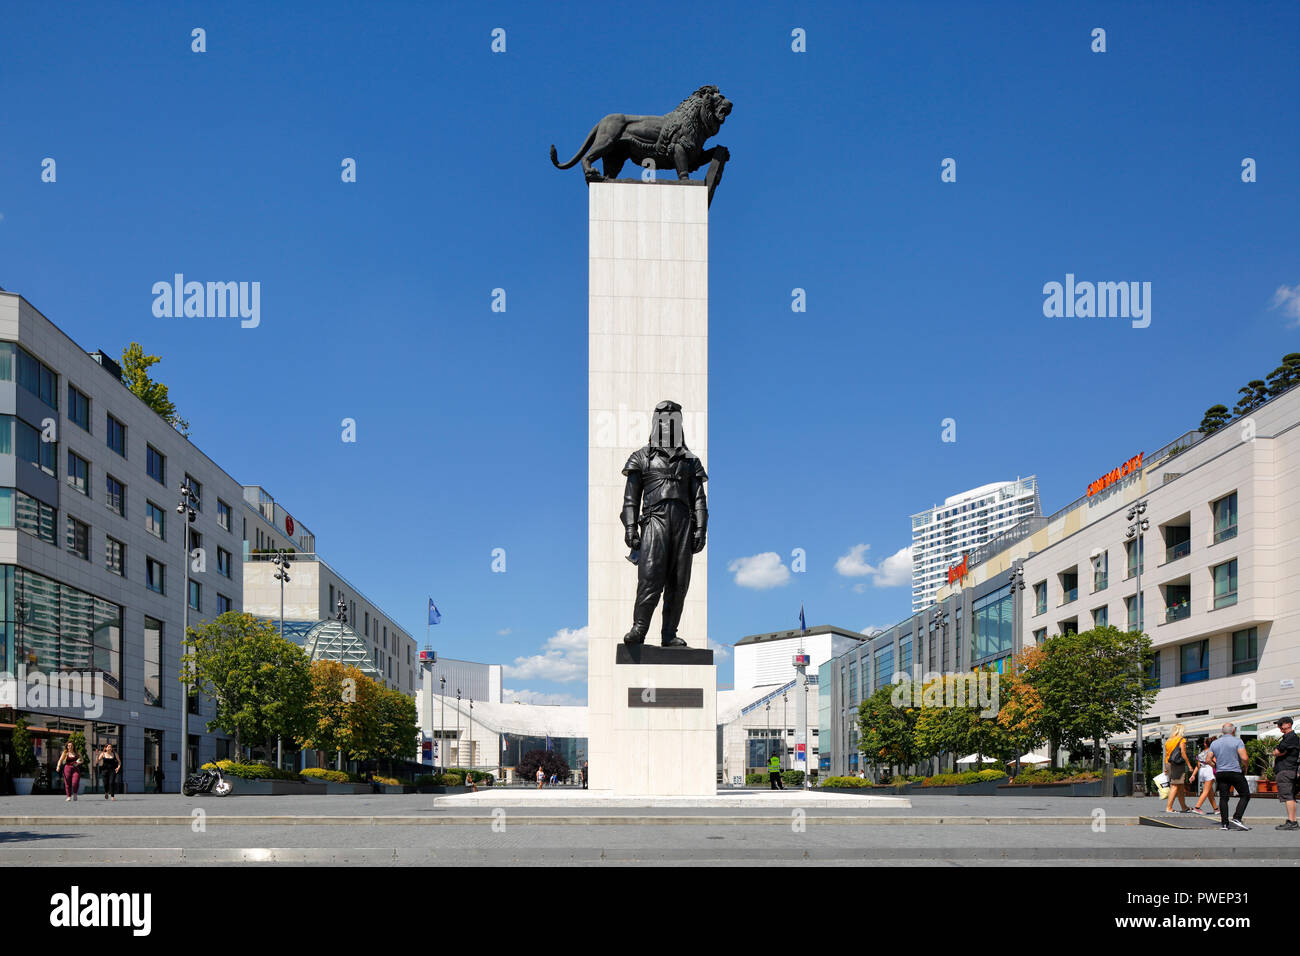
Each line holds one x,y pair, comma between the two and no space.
672,640
636,635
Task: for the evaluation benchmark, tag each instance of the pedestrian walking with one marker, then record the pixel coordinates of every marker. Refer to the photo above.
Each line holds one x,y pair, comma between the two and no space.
110,769
541,778
1230,761
1205,777
157,779
1177,765
70,766
1285,757
584,775
469,779
774,772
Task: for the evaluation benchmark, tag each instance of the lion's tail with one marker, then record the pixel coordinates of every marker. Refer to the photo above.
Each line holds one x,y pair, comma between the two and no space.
591,138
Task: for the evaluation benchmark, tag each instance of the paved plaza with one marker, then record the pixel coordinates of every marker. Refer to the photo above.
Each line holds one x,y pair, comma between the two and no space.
418,829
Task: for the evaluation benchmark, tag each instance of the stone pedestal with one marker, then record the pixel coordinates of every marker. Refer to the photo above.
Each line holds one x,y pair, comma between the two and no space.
648,342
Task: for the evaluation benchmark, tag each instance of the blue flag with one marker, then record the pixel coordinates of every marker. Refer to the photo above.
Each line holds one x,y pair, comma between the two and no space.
803,626
435,616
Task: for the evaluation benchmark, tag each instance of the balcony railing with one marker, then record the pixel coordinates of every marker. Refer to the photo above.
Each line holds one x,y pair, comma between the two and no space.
1177,613
1099,582
1180,550
1225,534
1070,596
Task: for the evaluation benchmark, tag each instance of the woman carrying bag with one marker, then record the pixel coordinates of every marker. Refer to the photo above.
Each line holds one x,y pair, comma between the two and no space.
1177,765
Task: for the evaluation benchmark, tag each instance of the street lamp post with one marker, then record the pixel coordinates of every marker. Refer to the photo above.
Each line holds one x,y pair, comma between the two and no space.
458,753
470,765
768,748
1138,524
185,508
442,723
281,562
785,723
341,615
1017,581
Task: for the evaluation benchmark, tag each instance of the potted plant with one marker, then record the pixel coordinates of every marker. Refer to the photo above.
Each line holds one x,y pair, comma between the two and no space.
1260,752
25,756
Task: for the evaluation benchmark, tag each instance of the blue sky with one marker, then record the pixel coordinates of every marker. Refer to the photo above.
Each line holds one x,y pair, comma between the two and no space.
924,298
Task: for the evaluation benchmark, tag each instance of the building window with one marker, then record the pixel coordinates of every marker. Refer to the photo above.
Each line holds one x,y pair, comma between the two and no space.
1040,598
78,407
853,682
34,516
1135,556
79,473
884,665
153,645
115,555
223,562
33,374
992,634
196,595
1040,635
1153,669
155,575
156,464
115,495
1225,518
223,604
1245,651
1194,660
1101,571
16,434
155,520
116,436
1225,584
223,514
197,488
905,655
1101,616
1135,621
62,628
1069,585
196,542
78,538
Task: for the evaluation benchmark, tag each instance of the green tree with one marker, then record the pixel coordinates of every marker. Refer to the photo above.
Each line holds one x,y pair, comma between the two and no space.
1216,416
24,749
888,729
396,724
260,682
1285,375
1253,394
550,762
135,376
1092,685
952,719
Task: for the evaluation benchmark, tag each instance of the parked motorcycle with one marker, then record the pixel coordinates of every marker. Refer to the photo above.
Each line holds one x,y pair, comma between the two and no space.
207,780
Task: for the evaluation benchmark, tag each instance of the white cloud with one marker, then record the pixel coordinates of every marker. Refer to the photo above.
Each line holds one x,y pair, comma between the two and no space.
563,659
504,631
895,571
1288,300
719,650
853,565
871,630
760,571
526,696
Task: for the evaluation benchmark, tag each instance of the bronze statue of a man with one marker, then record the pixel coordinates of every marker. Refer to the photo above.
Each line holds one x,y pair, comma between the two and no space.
665,519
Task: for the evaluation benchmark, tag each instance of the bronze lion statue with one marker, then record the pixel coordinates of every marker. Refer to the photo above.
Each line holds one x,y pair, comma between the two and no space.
675,140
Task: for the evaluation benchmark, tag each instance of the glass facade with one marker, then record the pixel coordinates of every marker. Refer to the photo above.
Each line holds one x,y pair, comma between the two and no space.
993,633
153,645
51,627
1194,662
884,665
1225,518
1245,651
1225,584
33,374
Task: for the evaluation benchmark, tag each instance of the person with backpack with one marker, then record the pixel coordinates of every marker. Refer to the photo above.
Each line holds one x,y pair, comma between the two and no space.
1205,778
1176,765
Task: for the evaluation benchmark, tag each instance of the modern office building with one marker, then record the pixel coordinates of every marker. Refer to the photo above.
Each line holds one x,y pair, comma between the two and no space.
93,555
944,534
768,659
1224,612
439,685
313,591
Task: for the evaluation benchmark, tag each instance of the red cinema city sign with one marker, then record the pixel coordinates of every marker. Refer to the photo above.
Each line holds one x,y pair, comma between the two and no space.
958,571
288,524
1123,471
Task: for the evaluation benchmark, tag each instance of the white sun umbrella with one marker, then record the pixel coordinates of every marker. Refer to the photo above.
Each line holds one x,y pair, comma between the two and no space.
975,758
1034,758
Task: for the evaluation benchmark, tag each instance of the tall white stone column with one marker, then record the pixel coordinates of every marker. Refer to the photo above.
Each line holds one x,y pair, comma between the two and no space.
648,342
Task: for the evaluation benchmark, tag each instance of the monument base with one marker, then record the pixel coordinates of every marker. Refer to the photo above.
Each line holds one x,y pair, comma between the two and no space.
664,724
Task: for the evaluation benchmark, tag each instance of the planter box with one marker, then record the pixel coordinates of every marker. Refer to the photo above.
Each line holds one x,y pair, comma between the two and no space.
389,788
1123,787
855,789
274,788
23,786
346,789
983,788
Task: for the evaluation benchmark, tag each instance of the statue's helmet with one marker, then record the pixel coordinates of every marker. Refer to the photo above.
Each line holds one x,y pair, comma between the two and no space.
666,429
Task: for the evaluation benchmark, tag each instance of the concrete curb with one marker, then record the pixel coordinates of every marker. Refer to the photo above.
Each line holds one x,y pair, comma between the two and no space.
556,820
388,856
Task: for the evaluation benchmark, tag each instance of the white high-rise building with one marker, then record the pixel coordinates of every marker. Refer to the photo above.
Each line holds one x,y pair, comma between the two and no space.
942,535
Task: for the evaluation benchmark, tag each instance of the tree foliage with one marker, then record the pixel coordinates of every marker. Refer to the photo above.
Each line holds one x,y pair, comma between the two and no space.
550,762
1255,393
350,711
887,732
258,680
135,376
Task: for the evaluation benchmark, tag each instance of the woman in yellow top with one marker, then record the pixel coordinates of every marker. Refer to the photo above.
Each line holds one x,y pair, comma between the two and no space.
1177,764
